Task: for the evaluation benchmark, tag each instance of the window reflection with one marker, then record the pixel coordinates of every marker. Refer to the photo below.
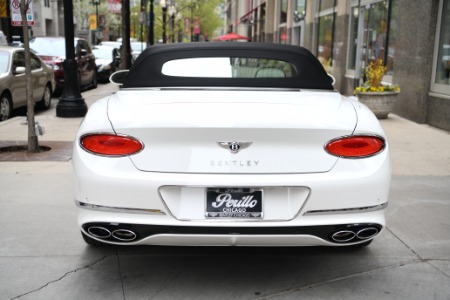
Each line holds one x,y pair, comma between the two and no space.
325,42
443,63
370,35
353,41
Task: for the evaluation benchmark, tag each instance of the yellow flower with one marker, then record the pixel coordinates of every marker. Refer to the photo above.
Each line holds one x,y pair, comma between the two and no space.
374,74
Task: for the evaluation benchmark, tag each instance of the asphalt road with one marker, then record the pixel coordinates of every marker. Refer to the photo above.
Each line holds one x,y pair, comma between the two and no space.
42,254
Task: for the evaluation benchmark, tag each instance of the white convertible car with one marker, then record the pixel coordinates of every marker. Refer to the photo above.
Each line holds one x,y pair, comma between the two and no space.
234,144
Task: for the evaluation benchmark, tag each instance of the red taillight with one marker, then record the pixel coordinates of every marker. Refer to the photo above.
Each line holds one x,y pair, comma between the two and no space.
355,146
110,144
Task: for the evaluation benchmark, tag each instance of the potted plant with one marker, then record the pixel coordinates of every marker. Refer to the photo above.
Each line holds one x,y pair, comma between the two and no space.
380,98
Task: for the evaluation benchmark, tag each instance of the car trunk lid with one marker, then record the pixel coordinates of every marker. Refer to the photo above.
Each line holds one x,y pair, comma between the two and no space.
229,131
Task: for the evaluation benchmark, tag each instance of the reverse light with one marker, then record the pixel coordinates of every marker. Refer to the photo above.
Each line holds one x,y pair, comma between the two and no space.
358,146
110,144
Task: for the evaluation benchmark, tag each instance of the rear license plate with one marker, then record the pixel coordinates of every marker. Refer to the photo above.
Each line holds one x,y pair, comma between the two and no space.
236,203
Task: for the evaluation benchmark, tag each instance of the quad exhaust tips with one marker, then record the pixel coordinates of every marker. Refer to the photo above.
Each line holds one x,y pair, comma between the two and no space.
354,234
120,234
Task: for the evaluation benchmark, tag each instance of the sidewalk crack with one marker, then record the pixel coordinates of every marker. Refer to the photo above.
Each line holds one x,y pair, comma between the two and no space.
312,285
61,278
428,261
120,274
407,246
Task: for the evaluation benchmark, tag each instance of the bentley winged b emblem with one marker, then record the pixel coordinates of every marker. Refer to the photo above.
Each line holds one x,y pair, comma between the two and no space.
234,147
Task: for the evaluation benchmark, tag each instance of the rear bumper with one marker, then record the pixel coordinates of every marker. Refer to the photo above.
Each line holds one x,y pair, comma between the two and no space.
117,196
112,228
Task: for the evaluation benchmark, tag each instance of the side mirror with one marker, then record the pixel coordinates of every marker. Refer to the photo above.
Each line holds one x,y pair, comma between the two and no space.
118,78
19,70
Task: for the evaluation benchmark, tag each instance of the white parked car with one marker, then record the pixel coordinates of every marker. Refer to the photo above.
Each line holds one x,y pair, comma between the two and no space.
241,144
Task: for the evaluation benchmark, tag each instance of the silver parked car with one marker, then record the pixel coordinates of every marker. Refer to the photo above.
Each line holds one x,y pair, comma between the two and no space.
13,81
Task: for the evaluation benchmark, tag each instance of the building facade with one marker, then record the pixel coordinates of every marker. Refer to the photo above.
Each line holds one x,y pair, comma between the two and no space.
412,37
48,20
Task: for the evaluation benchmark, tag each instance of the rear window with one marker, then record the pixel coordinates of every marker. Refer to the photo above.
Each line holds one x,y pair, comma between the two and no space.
43,46
229,67
4,61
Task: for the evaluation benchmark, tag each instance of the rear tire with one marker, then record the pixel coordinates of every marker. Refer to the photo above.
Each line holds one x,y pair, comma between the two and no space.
94,81
46,101
5,106
57,92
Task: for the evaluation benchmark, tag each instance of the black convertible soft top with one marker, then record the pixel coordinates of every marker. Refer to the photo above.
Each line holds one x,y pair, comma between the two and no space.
146,71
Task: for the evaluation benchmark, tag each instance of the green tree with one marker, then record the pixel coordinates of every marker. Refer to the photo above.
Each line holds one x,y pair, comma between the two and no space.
33,144
205,10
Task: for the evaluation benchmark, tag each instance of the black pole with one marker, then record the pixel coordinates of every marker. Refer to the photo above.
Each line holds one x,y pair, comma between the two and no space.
141,21
126,47
96,3
71,104
191,23
172,21
164,11
388,25
151,33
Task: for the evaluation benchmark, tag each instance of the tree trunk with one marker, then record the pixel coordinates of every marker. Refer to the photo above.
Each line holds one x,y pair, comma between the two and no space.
126,46
33,144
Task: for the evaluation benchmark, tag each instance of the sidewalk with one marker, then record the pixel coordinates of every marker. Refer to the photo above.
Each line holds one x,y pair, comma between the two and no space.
56,129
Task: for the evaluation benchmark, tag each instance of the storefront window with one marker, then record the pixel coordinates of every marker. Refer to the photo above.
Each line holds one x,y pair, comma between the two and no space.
353,39
376,21
326,4
283,35
262,22
372,35
392,42
300,10
325,29
283,11
442,75
325,41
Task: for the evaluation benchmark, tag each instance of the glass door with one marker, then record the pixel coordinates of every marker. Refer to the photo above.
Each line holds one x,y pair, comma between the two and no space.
372,36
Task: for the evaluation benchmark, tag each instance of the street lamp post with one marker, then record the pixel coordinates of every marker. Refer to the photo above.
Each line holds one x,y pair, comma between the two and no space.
96,3
151,32
164,11
71,104
141,22
172,13
126,47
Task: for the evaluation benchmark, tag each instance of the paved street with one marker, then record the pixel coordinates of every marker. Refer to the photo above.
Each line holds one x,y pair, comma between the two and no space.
42,254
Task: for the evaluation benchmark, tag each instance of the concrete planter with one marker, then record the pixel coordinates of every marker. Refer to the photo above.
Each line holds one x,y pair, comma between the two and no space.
381,103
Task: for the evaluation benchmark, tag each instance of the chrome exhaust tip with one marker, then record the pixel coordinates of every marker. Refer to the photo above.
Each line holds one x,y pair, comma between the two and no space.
99,232
367,233
124,235
343,236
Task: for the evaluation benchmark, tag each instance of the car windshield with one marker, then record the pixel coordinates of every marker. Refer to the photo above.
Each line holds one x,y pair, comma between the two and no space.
55,47
4,61
103,53
137,46
229,67
111,44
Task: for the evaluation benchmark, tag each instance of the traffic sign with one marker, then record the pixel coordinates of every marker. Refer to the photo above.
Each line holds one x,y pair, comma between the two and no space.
16,18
